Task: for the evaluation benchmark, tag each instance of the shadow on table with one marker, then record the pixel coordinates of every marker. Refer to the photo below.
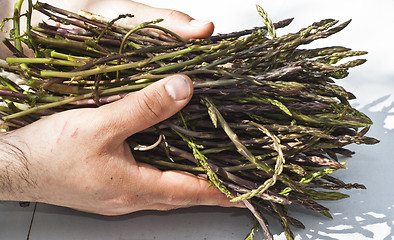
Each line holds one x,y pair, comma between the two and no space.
367,214
196,223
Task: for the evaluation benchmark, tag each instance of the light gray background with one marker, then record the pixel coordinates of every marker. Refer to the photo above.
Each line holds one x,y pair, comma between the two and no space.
367,214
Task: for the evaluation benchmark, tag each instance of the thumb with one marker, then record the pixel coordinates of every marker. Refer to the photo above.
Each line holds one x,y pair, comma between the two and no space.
145,108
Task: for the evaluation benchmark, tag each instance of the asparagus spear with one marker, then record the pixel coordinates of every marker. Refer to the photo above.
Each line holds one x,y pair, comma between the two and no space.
266,122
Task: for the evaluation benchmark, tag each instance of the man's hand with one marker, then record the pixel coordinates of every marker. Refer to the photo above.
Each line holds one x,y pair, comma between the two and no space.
184,25
80,159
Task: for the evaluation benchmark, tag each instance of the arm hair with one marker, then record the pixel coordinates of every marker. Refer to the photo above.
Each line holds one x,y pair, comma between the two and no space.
14,169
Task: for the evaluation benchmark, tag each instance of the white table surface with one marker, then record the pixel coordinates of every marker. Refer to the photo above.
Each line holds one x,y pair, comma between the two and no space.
367,214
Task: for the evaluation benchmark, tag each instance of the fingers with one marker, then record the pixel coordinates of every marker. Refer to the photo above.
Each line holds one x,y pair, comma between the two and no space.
178,22
145,108
176,189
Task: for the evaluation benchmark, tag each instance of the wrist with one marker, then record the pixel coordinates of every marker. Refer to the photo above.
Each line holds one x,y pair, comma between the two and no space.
16,182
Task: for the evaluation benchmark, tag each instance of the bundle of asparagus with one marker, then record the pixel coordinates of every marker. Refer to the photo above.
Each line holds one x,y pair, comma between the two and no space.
266,122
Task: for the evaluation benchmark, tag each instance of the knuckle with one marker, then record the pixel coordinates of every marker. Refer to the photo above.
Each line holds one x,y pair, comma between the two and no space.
175,199
173,13
150,105
194,196
198,196
124,201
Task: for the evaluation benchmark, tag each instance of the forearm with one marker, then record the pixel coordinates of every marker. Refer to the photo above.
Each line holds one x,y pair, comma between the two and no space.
15,177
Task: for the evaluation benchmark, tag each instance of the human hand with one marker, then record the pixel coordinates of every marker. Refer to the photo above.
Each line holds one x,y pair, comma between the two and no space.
184,25
181,23
79,158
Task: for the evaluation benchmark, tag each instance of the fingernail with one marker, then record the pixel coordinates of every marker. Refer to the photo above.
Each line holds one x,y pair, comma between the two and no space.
178,88
198,23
